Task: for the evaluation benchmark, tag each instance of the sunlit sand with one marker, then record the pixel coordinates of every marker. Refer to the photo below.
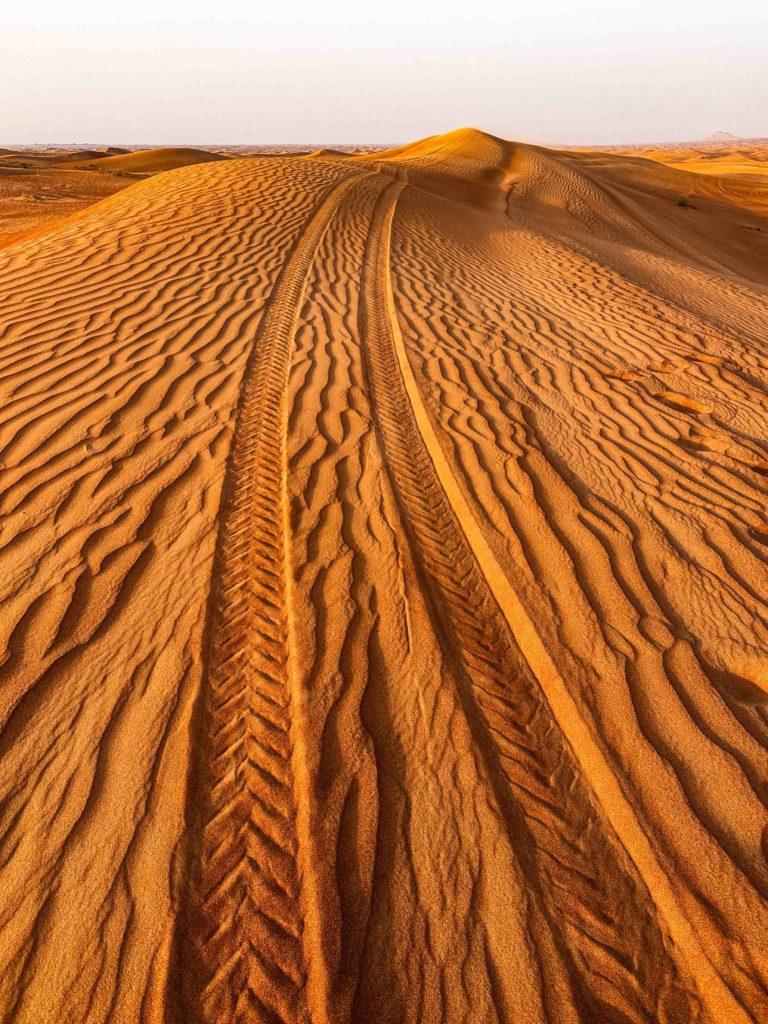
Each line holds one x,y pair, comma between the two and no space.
383,567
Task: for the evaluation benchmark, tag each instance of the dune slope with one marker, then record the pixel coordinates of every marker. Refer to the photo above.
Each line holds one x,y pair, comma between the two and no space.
384,597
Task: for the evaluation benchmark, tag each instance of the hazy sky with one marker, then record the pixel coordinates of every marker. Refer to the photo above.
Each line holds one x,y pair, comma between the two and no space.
239,71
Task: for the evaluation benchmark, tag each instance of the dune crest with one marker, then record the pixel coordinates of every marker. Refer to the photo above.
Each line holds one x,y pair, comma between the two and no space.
383,581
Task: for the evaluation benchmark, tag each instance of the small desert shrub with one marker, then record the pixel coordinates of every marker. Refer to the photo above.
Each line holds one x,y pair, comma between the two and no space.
685,201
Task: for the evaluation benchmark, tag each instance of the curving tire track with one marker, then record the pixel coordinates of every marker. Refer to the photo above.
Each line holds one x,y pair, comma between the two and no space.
489,630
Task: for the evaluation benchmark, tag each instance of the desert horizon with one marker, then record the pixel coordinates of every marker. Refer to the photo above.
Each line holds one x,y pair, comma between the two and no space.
717,139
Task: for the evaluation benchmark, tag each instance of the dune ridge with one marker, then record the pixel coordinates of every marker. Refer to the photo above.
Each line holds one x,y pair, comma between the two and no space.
383,558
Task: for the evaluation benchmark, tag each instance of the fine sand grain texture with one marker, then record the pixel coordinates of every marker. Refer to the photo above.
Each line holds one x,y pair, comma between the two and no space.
384,614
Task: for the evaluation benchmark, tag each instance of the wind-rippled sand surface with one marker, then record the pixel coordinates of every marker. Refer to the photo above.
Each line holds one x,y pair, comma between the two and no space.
383,568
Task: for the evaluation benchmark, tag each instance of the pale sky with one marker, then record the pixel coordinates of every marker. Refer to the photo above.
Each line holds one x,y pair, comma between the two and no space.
293,71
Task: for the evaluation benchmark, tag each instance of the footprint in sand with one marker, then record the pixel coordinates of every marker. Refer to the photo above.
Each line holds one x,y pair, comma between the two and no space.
682,403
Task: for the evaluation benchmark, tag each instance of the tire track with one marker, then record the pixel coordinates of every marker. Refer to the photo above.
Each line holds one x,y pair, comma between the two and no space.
463,615
248,910
412,473
119,399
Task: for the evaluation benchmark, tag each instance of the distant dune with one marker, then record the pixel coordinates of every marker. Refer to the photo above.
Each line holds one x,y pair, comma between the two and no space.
722,161
721,154
75,157
724,164
384,593
327,154
145,161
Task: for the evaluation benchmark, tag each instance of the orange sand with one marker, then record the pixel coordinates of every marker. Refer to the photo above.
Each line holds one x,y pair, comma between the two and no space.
384,595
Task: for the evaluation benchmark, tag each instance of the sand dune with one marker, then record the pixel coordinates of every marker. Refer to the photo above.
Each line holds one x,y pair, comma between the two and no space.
384,598
751,163
145,161
50,157
76,156
327,154
743,158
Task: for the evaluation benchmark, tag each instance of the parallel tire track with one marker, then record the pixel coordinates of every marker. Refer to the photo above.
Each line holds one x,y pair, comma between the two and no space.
241,943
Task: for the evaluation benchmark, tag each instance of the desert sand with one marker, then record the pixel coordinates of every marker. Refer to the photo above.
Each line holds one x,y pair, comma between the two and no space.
384,594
